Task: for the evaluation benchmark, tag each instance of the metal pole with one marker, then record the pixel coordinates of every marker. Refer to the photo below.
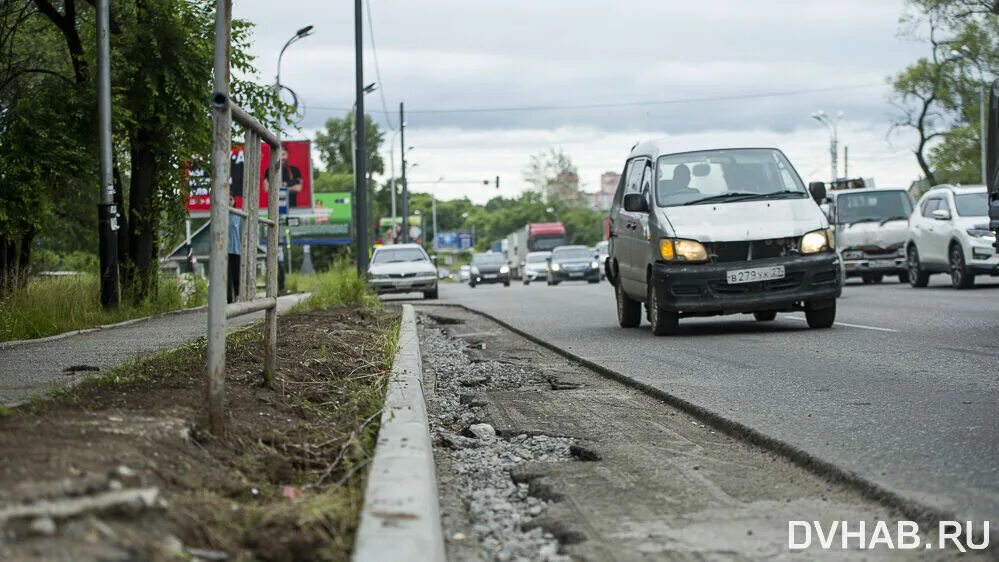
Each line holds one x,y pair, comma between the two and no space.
405,187
846,161
433,211
360,177
834,150
107,214
981,104
221,143
395,218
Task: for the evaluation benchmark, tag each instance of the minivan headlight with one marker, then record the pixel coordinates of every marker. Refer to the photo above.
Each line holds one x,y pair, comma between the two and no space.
555,267
817,241
505,269
673,249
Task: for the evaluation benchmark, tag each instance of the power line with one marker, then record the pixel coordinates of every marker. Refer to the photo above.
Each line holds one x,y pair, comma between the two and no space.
378,72
674,101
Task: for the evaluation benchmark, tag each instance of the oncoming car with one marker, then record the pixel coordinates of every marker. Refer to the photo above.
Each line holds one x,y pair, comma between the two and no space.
949,233
402,268
535,267
490,267
573,263
719,232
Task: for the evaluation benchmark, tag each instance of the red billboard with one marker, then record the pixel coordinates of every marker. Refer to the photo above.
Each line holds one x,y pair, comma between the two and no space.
296,176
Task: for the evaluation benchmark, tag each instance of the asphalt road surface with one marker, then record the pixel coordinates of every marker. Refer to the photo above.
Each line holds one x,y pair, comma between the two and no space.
904,390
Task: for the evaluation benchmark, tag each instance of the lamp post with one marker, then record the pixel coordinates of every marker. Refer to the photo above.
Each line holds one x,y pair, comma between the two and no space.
299,35
831,123
359,217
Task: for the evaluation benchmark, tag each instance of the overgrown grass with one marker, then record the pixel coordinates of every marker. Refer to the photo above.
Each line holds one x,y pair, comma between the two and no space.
49,306
339,286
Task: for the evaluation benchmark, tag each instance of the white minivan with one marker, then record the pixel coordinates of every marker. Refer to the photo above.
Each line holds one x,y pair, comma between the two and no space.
719,232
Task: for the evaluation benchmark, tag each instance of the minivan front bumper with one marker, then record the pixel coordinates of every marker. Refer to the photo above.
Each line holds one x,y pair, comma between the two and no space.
703,289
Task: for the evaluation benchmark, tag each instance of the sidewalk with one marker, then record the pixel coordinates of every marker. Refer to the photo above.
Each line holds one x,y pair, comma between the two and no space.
36,367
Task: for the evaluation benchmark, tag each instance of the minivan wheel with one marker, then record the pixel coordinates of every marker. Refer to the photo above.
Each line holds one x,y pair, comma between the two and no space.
820,315
629,311
917,277
959,276
765,316
663,322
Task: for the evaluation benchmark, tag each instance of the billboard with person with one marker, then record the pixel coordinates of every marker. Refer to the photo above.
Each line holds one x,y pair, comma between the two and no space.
296,178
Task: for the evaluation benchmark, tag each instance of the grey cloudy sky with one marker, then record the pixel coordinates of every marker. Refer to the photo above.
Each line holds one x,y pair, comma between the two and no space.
487,54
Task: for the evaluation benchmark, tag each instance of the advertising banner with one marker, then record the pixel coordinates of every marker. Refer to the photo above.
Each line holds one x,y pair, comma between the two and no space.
455,241
327,224
296,178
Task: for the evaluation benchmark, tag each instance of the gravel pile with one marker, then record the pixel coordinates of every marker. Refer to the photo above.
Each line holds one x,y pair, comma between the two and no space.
499,508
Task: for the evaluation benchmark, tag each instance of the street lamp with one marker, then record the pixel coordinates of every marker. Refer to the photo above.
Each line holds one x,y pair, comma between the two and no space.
831,123
551,211
299,35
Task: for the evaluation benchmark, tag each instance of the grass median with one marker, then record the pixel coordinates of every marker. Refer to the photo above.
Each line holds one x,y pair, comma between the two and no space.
285,483
48,306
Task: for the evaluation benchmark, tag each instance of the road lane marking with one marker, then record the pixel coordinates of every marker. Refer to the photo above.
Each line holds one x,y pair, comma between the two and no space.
861,326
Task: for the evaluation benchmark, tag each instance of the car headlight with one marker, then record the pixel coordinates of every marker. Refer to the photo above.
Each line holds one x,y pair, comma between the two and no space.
900,252
980,232
505,269
594,265
671,249
817,241
474,270
555,267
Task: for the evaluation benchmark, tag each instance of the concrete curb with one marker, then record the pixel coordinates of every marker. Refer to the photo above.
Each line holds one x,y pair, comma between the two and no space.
401,516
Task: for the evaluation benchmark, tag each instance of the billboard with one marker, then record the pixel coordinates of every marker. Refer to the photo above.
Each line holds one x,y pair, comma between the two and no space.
453,241
296,176
327,224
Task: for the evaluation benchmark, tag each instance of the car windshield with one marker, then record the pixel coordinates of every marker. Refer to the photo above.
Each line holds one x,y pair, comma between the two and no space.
725,175
572,254
537,258
488,259
972,204
872,206
398,255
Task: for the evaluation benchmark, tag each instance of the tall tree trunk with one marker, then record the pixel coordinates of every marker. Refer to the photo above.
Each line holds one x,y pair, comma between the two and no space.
119,202
142,219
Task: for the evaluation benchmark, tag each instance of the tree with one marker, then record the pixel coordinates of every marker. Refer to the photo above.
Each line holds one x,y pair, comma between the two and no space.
336,142
937,97
553,174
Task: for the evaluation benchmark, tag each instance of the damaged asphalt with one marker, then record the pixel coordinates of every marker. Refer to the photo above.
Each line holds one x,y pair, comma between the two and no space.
632,478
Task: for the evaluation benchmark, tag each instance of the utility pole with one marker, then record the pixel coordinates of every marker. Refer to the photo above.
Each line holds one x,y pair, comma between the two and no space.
107,214
405,186
360,177
846,161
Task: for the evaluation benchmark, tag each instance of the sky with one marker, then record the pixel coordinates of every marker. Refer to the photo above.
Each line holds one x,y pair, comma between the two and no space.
488,83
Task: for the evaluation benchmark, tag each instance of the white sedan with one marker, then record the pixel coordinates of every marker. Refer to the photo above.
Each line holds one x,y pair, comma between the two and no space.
403,268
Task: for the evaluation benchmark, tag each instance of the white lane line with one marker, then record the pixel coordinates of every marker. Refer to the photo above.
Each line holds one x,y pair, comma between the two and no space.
861,326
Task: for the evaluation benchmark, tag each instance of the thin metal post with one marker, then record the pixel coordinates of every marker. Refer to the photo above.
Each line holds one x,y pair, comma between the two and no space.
221,143
405,186
270,320
107,214
360,176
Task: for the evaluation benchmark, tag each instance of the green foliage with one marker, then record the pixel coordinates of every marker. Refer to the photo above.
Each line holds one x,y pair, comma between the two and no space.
334,145
333,182
50,306
339,286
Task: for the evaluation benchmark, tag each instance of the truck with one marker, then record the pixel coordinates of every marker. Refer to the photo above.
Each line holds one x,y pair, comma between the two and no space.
992,159
532,237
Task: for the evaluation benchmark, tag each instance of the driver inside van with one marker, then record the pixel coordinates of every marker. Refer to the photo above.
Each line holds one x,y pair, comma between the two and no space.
680,184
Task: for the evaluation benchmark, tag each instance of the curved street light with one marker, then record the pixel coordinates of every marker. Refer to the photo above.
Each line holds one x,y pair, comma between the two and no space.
831,123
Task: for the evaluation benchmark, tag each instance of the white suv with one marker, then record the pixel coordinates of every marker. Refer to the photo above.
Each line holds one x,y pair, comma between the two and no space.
949,233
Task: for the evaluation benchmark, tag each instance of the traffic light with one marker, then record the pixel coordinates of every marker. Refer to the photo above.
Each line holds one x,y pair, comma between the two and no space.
497,182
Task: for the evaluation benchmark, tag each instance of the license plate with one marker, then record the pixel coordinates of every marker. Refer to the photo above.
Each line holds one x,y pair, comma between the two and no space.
403,285
489,276
883,264
576,274
754,274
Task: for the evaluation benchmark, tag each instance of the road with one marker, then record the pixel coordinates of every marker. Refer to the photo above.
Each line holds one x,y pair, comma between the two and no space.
31,368
903,390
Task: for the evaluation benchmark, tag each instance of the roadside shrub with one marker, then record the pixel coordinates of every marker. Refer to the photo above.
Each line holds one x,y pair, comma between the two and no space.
338,286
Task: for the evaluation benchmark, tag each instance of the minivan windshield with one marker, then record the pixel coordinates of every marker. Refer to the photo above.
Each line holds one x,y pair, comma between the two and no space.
710,176
572,254
488,259
537,258
872,206
972,204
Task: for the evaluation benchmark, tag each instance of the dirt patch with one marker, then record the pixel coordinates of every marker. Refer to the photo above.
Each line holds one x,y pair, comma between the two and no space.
285,482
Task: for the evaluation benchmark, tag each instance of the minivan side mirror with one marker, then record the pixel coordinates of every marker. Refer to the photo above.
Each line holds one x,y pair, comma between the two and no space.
635,203
818,191
941,214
